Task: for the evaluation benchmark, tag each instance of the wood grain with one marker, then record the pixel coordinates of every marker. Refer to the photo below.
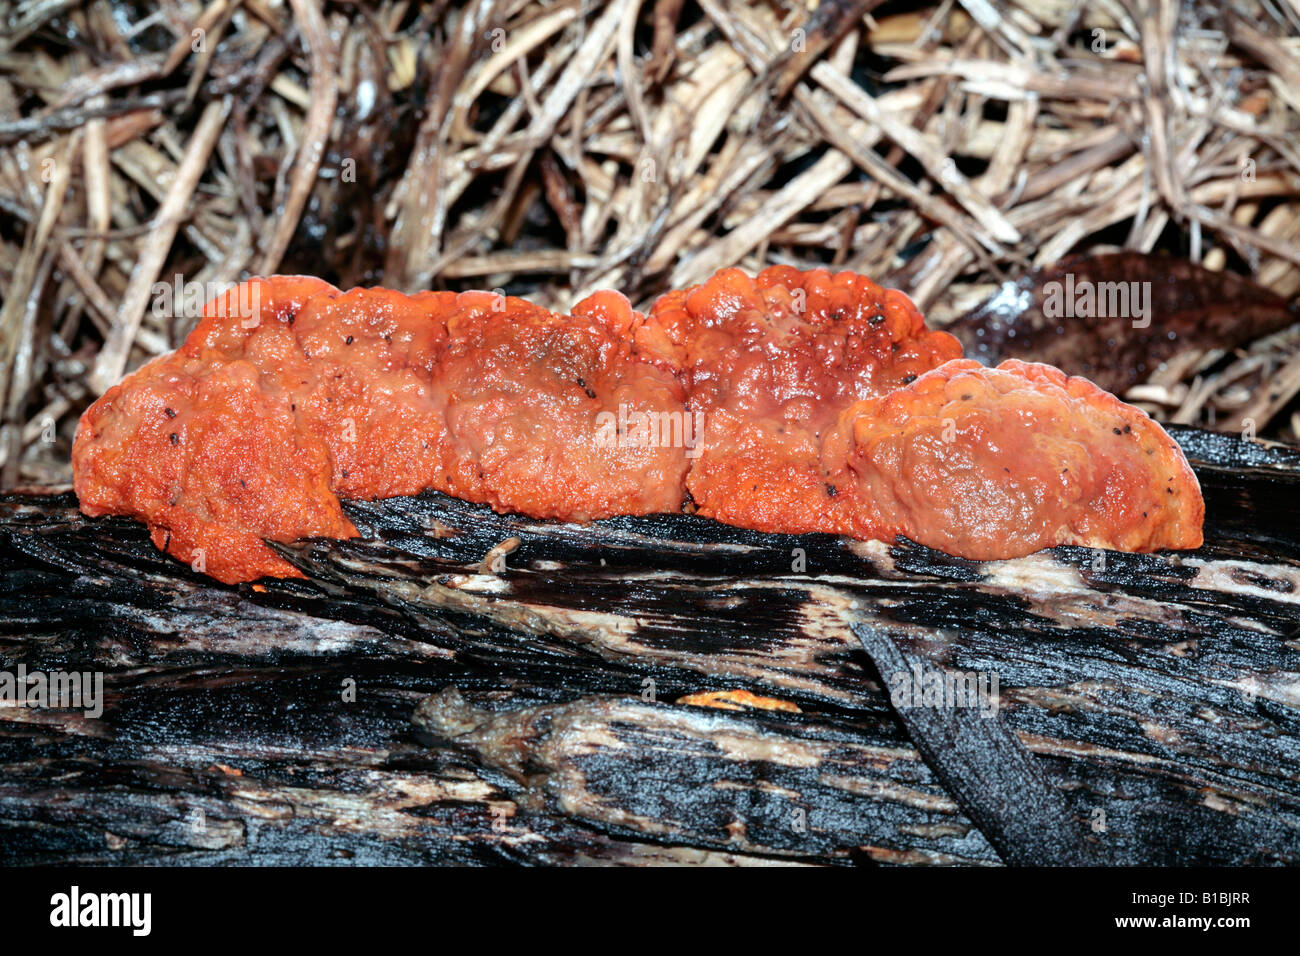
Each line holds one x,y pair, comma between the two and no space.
528,715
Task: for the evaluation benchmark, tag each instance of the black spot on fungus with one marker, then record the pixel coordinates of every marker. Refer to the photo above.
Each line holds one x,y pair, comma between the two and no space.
909,379
176,439
171,412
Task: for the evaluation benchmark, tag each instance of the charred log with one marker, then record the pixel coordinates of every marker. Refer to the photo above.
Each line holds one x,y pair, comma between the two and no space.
411,703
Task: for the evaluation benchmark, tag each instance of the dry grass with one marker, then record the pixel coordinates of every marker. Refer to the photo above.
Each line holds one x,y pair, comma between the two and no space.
550,149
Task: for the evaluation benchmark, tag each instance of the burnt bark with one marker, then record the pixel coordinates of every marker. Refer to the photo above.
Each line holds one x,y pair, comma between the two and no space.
408,703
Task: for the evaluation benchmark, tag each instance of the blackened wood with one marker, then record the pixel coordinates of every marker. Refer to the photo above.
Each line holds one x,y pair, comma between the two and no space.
1156,693
991,776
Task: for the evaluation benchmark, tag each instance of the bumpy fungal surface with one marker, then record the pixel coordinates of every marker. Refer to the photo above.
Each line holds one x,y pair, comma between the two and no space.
261,422
770,363
999,463
791,402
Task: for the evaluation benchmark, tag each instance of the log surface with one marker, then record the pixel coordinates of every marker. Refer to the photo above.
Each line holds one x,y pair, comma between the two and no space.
412,702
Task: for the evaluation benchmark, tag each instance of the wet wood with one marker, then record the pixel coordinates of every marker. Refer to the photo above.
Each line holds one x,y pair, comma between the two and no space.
411,703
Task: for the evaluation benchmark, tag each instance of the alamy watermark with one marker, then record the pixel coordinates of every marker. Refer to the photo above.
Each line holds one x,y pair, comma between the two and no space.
977,690
59,690
633,429
1085,299
192,299
75,909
